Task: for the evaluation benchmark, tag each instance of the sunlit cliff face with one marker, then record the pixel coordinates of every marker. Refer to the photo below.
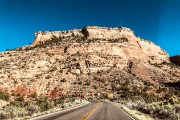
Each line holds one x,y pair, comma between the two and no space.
89,32
127,44
66,55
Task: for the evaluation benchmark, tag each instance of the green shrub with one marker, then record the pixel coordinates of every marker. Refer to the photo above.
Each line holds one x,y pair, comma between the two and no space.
43,103
4,96
18,101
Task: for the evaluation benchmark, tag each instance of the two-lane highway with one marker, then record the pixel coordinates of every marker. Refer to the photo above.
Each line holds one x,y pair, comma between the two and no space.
93,111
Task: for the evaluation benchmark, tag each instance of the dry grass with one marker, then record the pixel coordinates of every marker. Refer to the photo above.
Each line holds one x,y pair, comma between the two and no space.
134,113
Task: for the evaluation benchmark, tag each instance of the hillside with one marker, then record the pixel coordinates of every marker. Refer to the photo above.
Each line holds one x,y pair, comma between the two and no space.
91,63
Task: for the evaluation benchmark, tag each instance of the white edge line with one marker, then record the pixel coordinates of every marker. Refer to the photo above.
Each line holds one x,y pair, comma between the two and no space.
60,111
123,111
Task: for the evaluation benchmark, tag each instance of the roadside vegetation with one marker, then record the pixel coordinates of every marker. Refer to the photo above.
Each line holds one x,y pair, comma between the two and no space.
36,105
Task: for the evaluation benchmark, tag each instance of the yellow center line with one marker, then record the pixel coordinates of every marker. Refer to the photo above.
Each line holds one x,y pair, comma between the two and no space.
90,112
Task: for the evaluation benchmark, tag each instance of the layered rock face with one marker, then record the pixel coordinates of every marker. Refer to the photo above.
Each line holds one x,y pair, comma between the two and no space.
90,33
94,32
118,41
67,62
46,35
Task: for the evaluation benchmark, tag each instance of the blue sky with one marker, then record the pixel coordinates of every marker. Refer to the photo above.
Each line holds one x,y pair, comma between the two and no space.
155,20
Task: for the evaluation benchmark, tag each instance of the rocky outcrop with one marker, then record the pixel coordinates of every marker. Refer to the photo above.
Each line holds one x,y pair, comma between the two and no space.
64,62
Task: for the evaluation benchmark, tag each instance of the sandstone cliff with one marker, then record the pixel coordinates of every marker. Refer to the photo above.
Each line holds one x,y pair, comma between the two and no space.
85,63
118,41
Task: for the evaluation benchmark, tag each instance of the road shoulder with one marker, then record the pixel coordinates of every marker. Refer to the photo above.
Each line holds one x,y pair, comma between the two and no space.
134,114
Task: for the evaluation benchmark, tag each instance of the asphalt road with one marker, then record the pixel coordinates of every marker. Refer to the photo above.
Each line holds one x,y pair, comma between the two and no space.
92,111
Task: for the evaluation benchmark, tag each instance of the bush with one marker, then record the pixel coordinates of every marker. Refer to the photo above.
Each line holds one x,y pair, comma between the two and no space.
18,101
34,95
31,108
44,104
175,60
58,101
4,96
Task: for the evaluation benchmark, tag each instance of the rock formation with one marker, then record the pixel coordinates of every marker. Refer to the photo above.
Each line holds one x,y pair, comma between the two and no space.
82,63
118,41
